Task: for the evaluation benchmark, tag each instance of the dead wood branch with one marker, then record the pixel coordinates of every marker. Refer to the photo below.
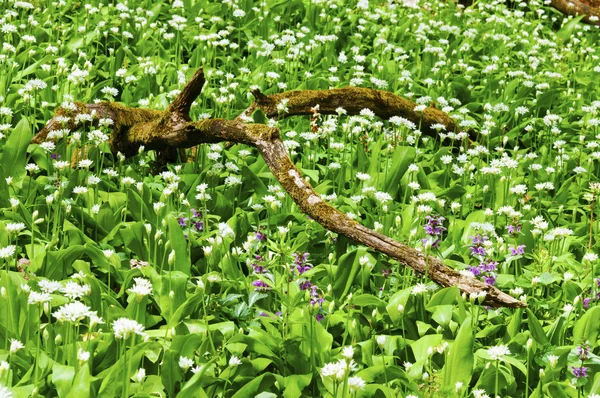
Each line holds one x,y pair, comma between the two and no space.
173,129
589,8
352,99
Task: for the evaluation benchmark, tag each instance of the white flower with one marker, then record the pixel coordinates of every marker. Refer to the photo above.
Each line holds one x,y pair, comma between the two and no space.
142,287
553,360
125,328
568,308
185,363
5,392
225,230
419,289
498,351
85,163
348,352
356,383
14,227
139,376
38,298
7,251
82,355
363,176
78,190
381,340
15,345
234,361
72,312
330,369
480,394
74,290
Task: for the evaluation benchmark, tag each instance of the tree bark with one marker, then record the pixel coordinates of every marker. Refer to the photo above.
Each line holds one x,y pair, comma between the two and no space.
589,8
133,127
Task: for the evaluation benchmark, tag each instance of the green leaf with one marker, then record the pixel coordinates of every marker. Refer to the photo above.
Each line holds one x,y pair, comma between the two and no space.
459,364
366,300
294,384
82,385
259,117
179,244
587,327
443,314
403,157
420,347
186,308
448,295
62,378
348,268
567,30
257,384
399,298
536,330
13,159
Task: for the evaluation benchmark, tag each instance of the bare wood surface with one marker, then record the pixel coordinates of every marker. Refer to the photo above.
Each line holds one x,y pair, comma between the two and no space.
589,8
173,128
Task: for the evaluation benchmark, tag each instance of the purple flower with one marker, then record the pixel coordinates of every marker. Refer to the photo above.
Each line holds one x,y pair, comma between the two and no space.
515,251
477,251
303,268
579,372
198,225
475,270
513,229
305,285
435,244
477,245
319,317
434,226
261,286
260,236
182,221
386,273
586,302
259,269
489,279
301,263
583,352
196,213
489,266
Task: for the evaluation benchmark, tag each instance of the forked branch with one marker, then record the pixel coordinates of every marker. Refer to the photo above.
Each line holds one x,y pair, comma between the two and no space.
173,129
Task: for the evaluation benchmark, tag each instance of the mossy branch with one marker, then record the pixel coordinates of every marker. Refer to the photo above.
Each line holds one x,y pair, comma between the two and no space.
160,130
353,100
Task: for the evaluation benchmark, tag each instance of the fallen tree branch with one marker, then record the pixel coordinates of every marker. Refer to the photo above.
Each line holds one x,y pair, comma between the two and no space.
590,9
173,129
352,99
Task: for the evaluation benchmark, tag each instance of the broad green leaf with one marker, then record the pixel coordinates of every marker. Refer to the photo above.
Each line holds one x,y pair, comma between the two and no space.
368,300
348,268
460,360
256,385
402,158
13,158
535,328
587,327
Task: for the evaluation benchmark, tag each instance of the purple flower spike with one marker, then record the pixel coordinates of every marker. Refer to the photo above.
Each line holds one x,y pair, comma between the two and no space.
579,372
261,286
